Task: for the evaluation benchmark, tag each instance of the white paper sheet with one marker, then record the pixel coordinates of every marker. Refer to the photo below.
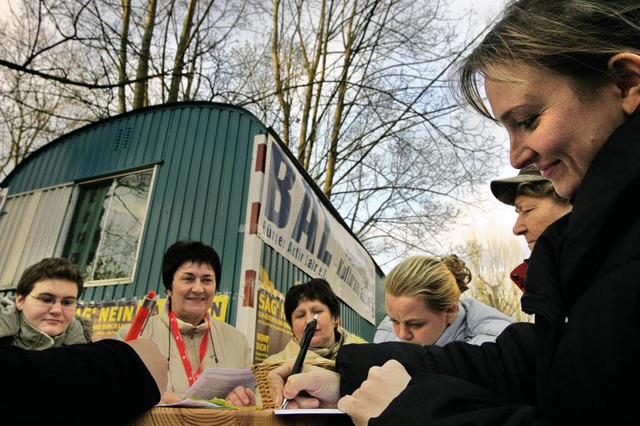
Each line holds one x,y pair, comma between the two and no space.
193,403
308,411
218,382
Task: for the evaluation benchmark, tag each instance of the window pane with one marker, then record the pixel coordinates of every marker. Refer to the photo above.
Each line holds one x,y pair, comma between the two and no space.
107,226
122,228
84,234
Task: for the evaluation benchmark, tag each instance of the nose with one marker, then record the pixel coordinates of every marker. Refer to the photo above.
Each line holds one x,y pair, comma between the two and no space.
404,333
519,228
520,155
513,151
197,284
56,307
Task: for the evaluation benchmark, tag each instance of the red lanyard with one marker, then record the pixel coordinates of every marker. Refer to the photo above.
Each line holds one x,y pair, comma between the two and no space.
183,353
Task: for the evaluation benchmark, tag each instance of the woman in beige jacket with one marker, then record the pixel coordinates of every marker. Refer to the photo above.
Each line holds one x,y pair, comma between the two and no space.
301,303
185,332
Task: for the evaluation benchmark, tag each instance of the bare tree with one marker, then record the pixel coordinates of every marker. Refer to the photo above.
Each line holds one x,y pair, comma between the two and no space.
362,103
78,57
24,119
122,66
490,261
32,110
357,89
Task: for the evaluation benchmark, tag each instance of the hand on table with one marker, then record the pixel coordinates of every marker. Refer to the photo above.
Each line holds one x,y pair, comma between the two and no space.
242,397
321,385
171,398
375,394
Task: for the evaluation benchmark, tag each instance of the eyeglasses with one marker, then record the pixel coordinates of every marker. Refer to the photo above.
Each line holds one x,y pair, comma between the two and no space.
68,304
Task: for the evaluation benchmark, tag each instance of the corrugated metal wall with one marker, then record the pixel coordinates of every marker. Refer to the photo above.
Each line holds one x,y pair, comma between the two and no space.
284,274
202,152
37,216
107,147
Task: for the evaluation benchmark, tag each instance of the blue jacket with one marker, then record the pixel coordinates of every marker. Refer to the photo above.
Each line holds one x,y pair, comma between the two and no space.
475,323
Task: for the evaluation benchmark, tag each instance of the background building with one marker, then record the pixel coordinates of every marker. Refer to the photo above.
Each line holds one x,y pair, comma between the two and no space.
113,195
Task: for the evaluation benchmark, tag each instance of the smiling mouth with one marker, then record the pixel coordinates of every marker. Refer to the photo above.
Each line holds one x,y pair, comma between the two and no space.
546,169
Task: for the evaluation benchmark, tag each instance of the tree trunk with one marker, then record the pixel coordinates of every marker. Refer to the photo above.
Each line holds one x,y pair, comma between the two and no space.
122,67
142,74
179,62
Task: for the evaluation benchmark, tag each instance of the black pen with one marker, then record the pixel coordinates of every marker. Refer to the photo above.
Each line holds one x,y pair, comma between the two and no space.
305,342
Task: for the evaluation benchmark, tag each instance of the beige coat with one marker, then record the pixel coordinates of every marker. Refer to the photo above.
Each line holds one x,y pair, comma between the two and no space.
293,347
230,346
324,357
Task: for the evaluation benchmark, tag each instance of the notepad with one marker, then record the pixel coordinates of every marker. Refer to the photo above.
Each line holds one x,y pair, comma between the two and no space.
218,382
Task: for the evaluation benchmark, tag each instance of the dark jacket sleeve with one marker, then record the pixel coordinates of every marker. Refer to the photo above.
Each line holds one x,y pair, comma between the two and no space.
492,383
104,382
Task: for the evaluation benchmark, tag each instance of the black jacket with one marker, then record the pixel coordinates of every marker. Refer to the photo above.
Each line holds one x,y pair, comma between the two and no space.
101,383
580,362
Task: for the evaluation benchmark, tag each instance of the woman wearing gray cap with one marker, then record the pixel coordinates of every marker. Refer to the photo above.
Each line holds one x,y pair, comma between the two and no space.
537,204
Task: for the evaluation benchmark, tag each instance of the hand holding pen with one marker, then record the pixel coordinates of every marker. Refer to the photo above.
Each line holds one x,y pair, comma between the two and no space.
305,342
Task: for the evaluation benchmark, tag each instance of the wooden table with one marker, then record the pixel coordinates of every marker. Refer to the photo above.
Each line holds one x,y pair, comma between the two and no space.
207,416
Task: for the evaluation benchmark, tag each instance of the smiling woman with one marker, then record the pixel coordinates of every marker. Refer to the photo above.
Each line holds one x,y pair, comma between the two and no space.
186,333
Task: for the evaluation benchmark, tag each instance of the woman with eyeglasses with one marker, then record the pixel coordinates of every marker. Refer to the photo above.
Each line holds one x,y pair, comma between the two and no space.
43,313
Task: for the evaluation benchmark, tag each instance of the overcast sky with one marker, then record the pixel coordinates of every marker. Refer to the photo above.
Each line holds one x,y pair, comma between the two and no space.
491,216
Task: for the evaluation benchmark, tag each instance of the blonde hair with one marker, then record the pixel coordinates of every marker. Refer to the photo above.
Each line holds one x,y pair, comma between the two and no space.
439,281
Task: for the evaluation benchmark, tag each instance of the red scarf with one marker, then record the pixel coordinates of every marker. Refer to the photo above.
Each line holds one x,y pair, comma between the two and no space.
518,274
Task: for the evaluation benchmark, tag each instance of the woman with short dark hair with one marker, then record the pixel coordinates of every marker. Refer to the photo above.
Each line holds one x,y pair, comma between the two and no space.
43,313
301,303
186,333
